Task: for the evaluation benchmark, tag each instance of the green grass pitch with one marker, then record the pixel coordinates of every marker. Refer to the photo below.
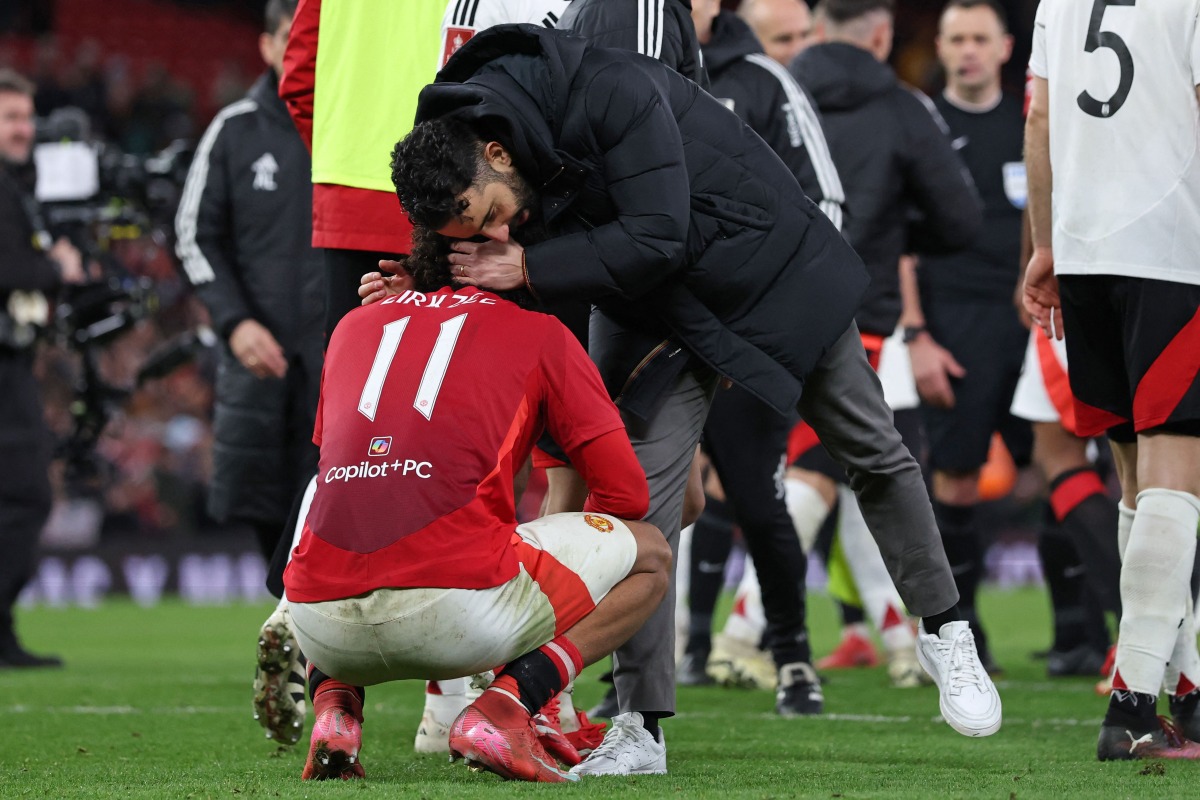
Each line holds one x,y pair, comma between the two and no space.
156,703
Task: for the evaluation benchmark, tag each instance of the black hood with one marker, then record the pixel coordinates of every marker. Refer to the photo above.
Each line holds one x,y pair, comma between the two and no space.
841,76
732,40
265,92
497,80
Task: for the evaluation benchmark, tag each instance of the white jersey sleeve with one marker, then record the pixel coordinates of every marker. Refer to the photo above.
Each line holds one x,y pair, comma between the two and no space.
1124,135
465,18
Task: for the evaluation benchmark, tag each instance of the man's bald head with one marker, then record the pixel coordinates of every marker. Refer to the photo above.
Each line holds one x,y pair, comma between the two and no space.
784,27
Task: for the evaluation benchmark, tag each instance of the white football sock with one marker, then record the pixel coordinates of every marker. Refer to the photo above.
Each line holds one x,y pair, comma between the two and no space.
1124,526
807,509
748,620
1155,585
879,597
683,575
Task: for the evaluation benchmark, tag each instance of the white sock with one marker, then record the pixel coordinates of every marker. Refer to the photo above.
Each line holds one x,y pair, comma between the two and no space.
1124,526
683,574
807,509
879,597
1155,585
567,717
1183,670
748,620
451,698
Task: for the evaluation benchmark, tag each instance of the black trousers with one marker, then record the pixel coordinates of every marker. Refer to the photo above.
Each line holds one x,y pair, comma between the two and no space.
25,497
747,442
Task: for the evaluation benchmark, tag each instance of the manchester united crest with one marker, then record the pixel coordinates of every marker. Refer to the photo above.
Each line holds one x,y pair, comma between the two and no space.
599,523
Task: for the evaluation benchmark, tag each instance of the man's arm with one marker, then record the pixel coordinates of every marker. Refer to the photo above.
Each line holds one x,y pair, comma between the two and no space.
937,182
204,233
1041,287
297,85
22,268
648,185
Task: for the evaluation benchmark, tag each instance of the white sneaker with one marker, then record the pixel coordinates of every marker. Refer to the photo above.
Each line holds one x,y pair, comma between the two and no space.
433,734
969,701
627,749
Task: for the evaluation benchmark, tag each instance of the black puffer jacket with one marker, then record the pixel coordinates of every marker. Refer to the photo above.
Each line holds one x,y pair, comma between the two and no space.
244,230
763,93
664,209
895,161
661,29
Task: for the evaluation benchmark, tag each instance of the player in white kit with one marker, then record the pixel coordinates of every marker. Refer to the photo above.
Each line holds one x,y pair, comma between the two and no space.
1113,154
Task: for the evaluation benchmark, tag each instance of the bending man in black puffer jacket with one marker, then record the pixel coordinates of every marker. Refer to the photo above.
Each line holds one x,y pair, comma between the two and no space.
635,188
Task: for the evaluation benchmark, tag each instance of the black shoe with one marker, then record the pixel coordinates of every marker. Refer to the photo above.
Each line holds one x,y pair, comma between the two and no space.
1081,660
691,670
1185,713
799,693
607,707
1118,743
17,657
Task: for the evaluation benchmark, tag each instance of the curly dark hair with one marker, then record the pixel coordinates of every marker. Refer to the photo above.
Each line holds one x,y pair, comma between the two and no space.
432,166
429,266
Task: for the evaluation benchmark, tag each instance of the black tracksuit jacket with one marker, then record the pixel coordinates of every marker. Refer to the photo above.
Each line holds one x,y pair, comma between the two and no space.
660,29
762,92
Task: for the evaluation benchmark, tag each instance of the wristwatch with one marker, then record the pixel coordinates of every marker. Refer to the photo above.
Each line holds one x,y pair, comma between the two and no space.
911,332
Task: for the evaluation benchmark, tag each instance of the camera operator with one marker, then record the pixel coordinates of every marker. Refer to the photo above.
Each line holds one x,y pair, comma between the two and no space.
30,266
244,231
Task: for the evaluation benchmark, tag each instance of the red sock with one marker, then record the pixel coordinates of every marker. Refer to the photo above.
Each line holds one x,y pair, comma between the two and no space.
335,694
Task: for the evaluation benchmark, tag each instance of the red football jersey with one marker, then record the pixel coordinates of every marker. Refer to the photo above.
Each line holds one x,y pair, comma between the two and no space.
429,405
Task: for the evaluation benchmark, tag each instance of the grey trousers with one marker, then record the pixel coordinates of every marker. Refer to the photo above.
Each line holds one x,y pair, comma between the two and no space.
644,667
843,402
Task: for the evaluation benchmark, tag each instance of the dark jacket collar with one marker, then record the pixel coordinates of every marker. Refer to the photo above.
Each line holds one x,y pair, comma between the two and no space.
732,40
842,76
265,92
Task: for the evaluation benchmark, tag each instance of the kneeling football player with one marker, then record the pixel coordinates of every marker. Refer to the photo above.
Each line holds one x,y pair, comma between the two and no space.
411,564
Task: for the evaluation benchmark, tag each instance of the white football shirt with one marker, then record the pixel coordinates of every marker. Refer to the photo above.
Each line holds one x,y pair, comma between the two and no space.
465,18
1124,135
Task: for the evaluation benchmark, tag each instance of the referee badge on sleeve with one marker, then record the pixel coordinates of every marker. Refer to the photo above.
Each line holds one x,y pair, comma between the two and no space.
1015,186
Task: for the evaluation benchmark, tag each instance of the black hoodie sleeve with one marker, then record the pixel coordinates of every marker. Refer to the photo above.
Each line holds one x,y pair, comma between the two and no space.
939,184
647,182
204,229
768,99
22,267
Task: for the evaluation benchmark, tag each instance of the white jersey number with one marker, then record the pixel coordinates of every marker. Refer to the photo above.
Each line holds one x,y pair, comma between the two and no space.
435,366
1097,39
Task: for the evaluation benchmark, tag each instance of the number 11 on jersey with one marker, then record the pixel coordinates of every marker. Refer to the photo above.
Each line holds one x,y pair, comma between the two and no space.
435,366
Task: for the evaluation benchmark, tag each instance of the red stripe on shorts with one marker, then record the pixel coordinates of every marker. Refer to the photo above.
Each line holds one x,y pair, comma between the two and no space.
1168,379
1092,421
566,591
1056,381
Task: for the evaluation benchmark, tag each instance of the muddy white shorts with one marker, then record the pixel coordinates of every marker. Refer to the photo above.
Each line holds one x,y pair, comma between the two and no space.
569,562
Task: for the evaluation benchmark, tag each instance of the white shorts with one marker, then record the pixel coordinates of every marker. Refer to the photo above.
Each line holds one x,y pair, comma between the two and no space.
569,562
896,375
1036,393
